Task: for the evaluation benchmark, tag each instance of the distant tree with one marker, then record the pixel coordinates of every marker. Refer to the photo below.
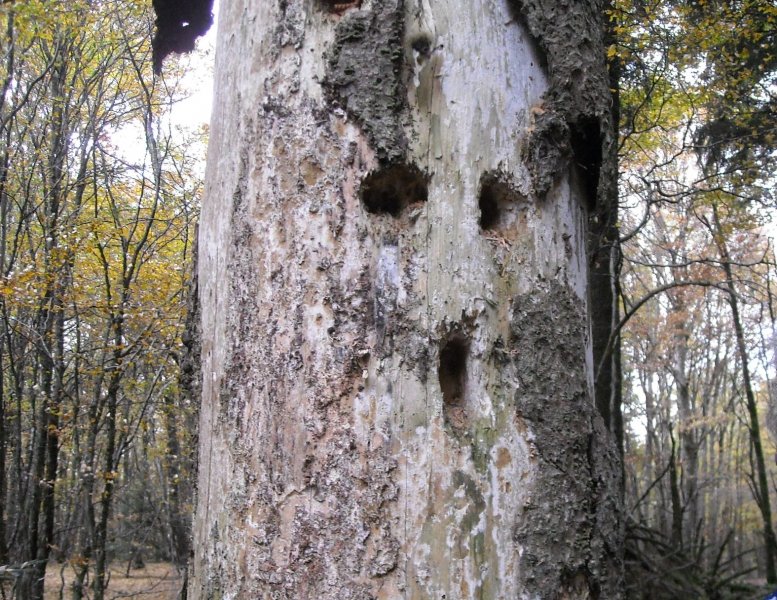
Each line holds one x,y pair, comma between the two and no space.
94,242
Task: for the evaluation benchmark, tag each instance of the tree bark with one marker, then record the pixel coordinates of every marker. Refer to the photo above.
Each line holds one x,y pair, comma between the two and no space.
398,386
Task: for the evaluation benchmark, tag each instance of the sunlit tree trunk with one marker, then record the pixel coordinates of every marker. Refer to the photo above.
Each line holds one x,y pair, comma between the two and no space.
398,372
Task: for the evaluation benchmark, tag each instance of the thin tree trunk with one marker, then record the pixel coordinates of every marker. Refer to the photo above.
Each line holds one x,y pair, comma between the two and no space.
761,483
109,458
754,430
179,519
3,446
689,445
51,357
677,506
87,476
4,165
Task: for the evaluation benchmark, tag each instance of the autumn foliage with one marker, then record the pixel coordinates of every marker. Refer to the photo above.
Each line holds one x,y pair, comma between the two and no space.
98,200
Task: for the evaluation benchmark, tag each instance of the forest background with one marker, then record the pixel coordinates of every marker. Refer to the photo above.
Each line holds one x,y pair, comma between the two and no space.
100,187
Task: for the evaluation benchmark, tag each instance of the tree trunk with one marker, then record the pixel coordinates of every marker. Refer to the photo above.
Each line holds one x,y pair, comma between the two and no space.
759,483
397,365
687,429
182,464
51,348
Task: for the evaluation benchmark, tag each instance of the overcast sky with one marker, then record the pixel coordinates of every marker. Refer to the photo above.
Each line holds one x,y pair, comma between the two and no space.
198,79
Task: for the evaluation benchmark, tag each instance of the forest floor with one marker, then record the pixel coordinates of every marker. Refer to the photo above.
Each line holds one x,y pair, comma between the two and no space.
156,581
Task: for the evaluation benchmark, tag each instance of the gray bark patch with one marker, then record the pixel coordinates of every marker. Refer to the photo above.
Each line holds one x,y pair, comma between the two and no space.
364,75
568,538
352,537
573,121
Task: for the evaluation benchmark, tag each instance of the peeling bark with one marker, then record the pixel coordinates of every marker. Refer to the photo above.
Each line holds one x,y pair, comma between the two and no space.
397,367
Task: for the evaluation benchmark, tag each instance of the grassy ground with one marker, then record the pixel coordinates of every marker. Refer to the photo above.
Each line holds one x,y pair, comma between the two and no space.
157,581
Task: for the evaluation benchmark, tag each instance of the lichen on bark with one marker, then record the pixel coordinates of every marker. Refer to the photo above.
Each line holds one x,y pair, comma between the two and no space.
573,121
577,122
364,75
570,527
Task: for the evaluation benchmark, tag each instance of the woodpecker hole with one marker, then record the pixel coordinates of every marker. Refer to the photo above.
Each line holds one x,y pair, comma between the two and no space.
339,7
498,202
392,189
453,370
422,47
453,381
587,147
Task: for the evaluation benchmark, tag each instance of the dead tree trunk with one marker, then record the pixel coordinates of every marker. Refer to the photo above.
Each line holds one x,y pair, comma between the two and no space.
398,372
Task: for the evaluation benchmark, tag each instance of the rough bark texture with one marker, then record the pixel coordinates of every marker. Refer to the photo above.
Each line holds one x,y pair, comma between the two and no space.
371,89
570,518
573,121
398,376
190,379
575,126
